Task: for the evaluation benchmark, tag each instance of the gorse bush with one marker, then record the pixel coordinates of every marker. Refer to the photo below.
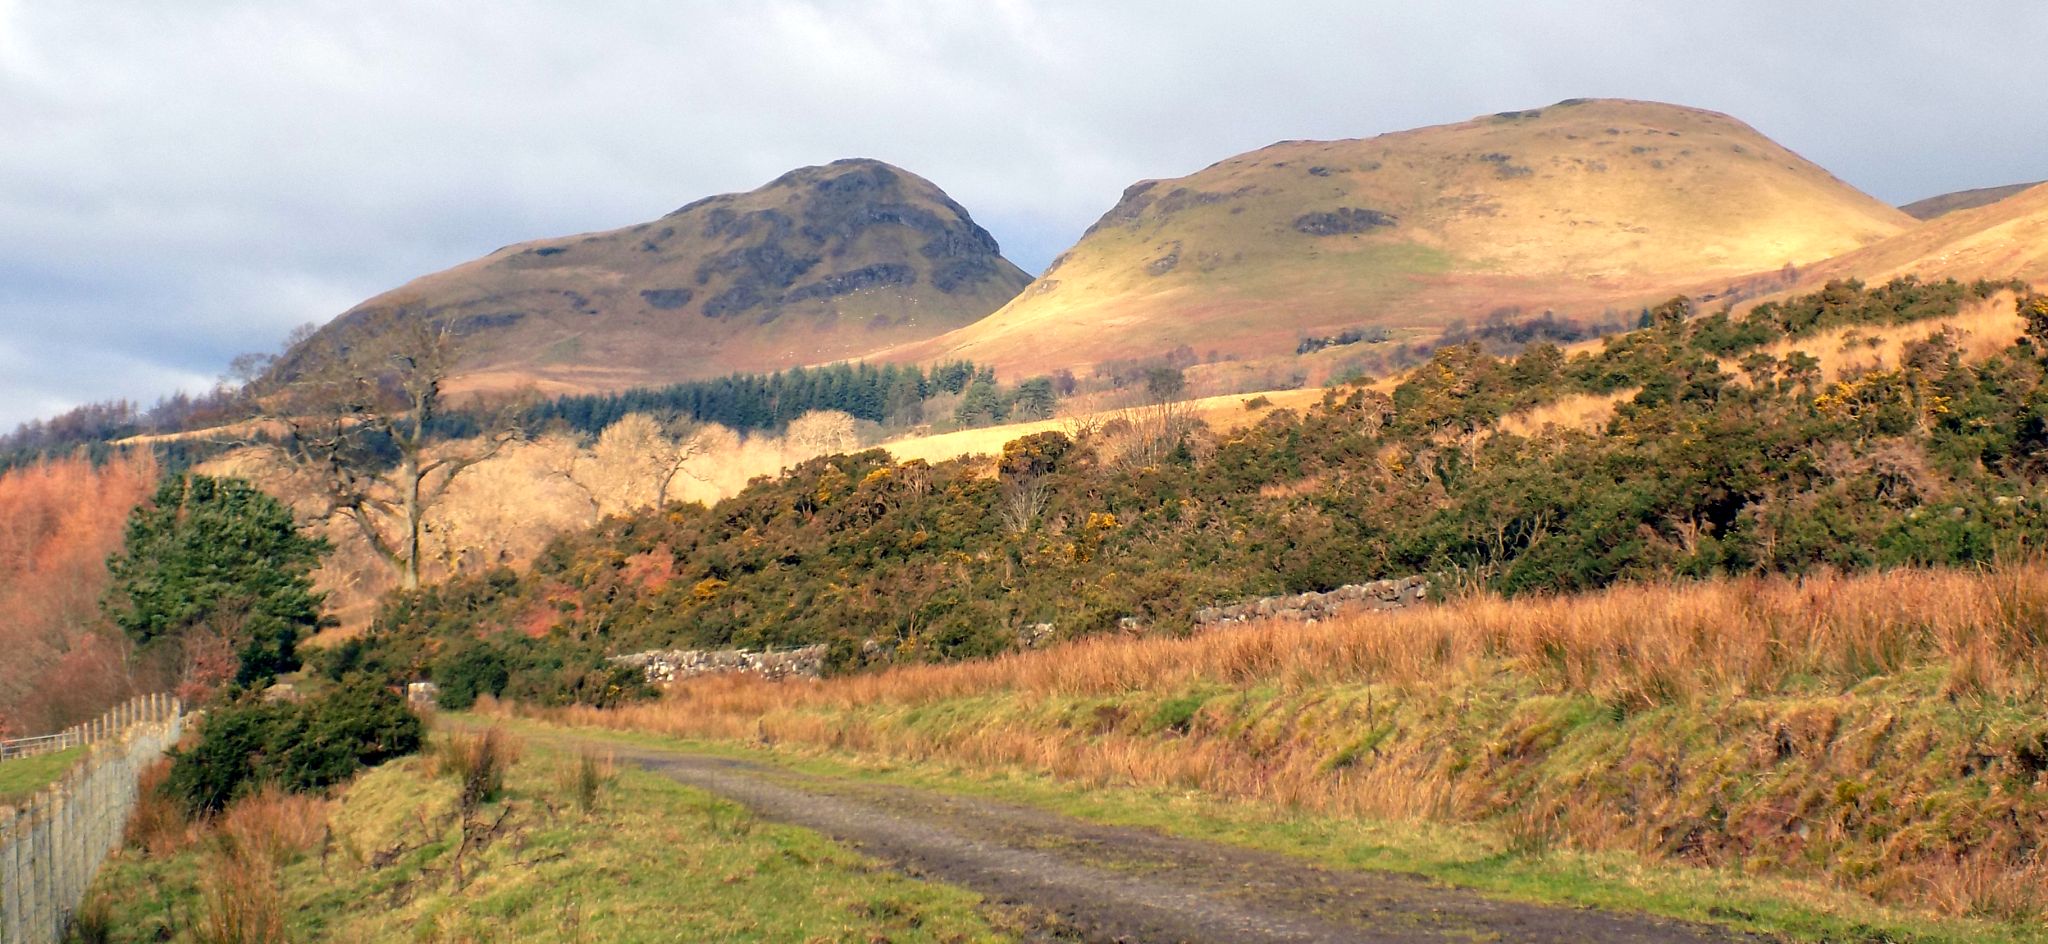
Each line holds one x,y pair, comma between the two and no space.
466,673
1726,451
247,743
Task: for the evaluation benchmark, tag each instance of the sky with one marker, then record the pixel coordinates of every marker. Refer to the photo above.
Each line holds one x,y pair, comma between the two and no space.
183,182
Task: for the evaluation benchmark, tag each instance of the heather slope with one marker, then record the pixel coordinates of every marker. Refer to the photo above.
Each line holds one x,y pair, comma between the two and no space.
1580,207
821,264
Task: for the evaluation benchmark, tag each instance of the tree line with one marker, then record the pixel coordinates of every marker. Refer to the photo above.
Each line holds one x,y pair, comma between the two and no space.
888,394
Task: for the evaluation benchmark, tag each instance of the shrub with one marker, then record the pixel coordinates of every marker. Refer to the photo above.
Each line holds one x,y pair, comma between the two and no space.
467,673
159,825
247,743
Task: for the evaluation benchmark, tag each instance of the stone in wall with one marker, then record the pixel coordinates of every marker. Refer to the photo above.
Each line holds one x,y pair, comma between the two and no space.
663,666
1312,606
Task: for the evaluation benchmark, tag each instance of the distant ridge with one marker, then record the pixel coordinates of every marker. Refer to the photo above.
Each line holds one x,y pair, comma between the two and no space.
1962,200
2004,239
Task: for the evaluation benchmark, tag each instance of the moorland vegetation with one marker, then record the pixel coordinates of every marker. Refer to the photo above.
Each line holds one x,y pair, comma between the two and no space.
1720,458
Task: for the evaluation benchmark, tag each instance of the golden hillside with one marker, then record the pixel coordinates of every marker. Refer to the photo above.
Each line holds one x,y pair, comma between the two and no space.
1579,207
2002,240
821,264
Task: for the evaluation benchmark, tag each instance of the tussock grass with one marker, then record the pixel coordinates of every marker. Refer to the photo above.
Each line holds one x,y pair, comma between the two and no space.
478,762
241,895
586,780
1632,646
1880,731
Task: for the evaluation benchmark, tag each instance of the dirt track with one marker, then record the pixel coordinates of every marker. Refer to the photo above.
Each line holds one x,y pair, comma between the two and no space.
1070,880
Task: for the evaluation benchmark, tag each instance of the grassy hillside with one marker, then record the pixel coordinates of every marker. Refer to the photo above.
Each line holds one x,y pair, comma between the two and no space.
1720,457
2007,239
1579,207
821,264
1944,204
1877,734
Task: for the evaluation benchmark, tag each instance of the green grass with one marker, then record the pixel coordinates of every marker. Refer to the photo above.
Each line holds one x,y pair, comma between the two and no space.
1468,856
655,861
22,777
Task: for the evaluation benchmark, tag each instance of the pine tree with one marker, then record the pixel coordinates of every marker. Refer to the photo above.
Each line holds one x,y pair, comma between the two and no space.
218,554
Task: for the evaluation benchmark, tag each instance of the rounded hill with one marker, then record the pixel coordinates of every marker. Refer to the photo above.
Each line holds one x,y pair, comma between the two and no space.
820,264
1579,207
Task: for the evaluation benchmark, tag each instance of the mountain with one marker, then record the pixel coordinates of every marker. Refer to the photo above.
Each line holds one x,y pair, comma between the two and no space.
1963,200
821,264
2003,240
1579,207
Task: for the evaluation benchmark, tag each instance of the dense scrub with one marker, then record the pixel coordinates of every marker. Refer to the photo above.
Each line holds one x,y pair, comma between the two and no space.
1720,458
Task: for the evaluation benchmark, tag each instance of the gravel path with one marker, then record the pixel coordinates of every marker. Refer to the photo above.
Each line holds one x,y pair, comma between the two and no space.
1072,880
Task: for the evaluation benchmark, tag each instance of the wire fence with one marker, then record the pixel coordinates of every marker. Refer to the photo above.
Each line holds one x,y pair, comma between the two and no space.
52,844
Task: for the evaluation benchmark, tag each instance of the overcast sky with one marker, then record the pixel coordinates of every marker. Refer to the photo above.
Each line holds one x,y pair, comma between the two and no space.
183,181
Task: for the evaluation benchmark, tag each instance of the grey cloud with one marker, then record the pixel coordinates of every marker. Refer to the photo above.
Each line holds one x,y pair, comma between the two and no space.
184,181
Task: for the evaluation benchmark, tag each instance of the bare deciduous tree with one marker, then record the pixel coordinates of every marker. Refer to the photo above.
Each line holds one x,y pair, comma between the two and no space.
353,408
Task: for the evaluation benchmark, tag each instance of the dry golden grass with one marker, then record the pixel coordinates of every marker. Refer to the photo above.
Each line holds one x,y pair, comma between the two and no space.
1358,717
1222,413
273,825
159,825
2002,240
241,900
1982,328
1575,411
1644,645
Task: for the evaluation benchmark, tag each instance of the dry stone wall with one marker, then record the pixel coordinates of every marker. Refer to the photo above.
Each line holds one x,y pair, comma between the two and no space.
663,666
1312,607
51,845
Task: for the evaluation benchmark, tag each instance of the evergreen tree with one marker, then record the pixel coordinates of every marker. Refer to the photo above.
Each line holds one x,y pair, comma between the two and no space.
984,404
217,553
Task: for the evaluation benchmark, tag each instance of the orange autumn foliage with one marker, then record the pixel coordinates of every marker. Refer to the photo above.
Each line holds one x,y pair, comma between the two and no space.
59,520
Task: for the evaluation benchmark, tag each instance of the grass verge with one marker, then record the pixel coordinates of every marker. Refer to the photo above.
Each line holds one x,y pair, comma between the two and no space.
413,852
22,777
